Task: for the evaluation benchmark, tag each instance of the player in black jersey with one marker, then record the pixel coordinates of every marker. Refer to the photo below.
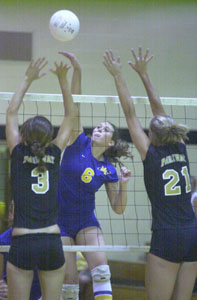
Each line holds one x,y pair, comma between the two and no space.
167,182
35,160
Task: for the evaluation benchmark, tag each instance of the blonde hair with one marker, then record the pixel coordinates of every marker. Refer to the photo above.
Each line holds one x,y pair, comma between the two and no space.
164,131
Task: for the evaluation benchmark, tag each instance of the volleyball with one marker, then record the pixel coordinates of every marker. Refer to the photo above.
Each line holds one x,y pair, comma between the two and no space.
64,25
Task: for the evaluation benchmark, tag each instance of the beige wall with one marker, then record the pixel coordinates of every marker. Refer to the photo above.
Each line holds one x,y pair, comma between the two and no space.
169,30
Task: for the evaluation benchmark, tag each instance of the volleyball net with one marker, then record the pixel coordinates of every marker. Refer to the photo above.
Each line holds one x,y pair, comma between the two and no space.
130,231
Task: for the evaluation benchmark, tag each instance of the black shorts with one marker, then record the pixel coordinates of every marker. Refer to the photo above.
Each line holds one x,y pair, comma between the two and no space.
175,245
41,250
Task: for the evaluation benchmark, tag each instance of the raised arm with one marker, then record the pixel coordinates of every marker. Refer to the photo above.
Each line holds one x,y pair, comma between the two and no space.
117,191
75,90
139,138
76,77
12,128
66,127
140,66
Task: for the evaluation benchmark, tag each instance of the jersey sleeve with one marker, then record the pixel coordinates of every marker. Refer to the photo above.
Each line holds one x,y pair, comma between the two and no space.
81,141
16,151
113,176
55,151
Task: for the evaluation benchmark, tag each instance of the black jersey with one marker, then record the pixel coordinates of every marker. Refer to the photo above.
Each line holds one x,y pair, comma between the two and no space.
34,193
167,181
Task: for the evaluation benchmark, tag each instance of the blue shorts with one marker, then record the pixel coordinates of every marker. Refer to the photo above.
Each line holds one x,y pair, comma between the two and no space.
39,250
70,225
175,245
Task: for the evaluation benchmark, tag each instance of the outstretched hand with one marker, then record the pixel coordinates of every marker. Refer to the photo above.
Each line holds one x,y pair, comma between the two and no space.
72,57
112,64
34,69
60,70
141,61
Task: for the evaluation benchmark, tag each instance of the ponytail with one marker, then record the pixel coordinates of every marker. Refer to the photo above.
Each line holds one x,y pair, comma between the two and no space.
39,152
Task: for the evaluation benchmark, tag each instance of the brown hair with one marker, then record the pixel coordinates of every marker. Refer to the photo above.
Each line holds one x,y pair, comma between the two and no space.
37,132
119,149
164,131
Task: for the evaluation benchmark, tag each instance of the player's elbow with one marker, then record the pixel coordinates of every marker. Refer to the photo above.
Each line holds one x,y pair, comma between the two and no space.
118,209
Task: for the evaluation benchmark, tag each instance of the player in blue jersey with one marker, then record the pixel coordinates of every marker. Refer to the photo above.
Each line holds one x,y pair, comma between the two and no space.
86,165
35,160
5,239
164,156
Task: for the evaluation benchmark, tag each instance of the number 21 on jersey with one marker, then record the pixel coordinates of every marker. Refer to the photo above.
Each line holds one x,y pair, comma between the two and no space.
172,188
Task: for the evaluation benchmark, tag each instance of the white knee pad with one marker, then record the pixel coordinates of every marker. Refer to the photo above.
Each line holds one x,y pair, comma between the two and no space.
101,273
70,292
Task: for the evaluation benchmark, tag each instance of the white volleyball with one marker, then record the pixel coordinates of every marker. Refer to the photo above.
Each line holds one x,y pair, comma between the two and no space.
64,25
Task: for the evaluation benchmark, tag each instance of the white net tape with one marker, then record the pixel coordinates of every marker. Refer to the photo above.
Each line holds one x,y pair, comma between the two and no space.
106,248
99,99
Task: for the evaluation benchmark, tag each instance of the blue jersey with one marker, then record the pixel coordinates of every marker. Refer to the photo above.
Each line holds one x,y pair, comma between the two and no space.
34,193
167,181
5,239
81,176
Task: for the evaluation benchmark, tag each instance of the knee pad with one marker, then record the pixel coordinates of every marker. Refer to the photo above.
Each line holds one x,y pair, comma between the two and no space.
101,273
70,292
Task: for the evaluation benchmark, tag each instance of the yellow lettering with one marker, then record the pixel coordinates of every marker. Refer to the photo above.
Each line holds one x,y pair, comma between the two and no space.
104,170
163,162
34,160
172,158
49,159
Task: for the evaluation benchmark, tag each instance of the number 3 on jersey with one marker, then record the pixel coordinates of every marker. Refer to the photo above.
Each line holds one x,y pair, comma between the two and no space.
42,186
171,188
87,175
